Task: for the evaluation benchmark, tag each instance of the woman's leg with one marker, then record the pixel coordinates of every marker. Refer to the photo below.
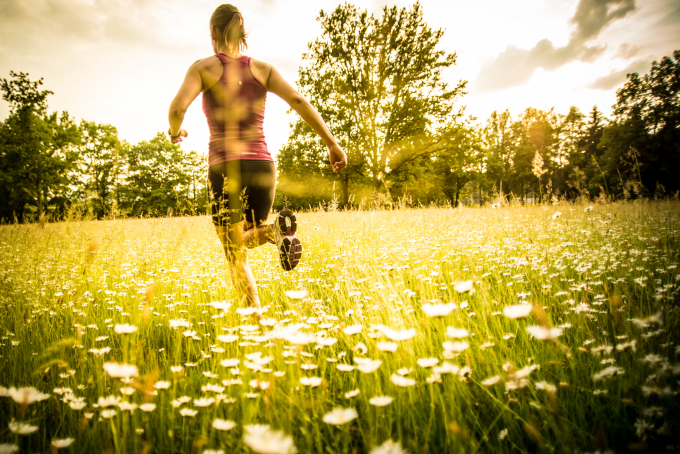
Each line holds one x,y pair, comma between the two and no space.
241,274
254,237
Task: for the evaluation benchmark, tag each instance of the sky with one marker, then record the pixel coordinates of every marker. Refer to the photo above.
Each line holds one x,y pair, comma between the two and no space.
121,62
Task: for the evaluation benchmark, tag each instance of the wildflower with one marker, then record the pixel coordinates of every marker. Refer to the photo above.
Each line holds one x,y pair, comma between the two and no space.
446,368
227,338
545,386
438,310
176,369
6,448
188,412
26,395
380,401
204,402
387,346
340,416
263,439
311,381
556,215
125,329
402,381
397,335
456,333
221,305
625,345
232,362
212,388
223,424
345,367
116,370
427,362
360,348
353,393
189,333
149,407
608,372
296,294
180,323
110,401
525,371
213,451
519,311
100,352
645,322
77,405
492,380
353,329
326,341
245,311
369,366
107,414
502,434
389,447
162,385
456,347
22,428
540,333
127,406
464,287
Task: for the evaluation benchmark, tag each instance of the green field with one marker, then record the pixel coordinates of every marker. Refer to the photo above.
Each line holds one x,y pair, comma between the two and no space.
378,305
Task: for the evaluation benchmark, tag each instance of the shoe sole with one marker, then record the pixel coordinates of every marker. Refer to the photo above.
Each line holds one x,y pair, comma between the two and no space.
290,253
290,249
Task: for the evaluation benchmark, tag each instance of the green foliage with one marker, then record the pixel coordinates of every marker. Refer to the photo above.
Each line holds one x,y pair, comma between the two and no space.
160,179
377,82
37,149
643,140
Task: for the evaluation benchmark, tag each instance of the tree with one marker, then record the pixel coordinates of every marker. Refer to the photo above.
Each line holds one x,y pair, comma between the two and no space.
101,158
643,140
37,149
498,140
460,159
377,82
157,180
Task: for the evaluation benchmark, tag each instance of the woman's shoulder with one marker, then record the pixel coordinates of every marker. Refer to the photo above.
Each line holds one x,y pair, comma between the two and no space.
261,71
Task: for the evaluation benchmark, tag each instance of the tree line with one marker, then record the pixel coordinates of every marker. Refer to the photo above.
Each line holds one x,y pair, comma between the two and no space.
378,82
52,166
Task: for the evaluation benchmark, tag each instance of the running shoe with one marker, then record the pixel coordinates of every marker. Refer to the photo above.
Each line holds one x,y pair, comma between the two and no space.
290,249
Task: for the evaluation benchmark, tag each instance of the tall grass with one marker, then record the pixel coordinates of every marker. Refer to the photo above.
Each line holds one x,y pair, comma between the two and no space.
601,275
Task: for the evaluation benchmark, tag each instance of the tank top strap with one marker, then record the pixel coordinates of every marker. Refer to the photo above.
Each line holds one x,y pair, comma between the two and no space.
223,58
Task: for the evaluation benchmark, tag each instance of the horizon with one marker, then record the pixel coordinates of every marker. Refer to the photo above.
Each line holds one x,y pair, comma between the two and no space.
123,66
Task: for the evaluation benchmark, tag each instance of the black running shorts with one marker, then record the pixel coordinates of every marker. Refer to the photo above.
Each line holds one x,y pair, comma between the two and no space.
241,189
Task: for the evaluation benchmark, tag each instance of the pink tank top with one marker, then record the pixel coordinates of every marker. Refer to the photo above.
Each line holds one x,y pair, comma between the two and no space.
234,107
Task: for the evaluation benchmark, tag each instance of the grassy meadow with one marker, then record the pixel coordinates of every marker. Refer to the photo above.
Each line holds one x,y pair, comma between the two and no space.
511,329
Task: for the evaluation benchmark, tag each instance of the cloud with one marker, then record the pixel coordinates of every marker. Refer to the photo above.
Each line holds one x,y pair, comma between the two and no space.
617,78
515,66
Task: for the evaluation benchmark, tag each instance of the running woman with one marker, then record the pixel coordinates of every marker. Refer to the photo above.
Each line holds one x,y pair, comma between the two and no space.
241,174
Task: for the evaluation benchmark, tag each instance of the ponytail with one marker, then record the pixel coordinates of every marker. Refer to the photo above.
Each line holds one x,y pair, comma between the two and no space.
227,19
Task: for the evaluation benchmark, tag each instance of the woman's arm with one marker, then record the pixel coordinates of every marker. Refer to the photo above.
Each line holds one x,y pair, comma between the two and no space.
278,85
189,90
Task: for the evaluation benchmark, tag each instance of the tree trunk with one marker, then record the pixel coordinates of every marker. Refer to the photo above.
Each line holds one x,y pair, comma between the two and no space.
39,194
457,193
344,185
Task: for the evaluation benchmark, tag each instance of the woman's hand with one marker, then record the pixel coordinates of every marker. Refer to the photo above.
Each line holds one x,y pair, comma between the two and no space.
337,157
178,137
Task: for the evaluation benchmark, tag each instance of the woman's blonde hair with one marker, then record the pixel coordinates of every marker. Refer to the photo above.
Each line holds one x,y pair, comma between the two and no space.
228,21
